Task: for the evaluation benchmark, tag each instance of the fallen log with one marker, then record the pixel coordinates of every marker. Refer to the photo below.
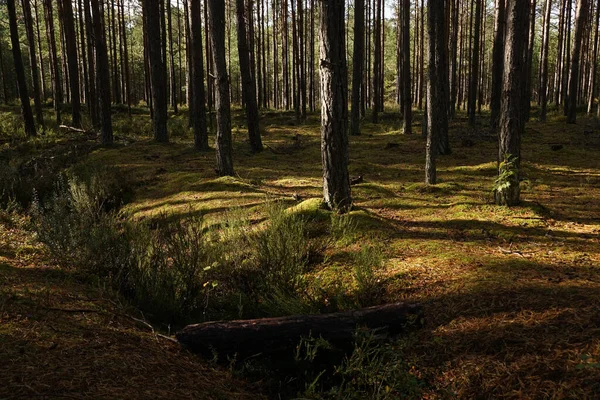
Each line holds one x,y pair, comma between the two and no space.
272,335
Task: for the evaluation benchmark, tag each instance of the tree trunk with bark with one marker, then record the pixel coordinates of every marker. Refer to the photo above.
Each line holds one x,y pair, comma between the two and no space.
511,124
57,95
33,63
580,18
357,65
216,11
334,107
497,62
19,70
158,71
544,63
72,62
437,87
474,76
275,335
407,124
248,84
102,73
197,93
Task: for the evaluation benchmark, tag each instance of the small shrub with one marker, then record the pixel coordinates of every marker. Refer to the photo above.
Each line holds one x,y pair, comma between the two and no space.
366,263
374,370
282,249
343,228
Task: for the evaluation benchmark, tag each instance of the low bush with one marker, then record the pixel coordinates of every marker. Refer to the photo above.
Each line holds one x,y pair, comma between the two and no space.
178,270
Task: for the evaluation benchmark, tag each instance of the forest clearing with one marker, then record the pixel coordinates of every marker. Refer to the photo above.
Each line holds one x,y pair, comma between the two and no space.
299,199
509,294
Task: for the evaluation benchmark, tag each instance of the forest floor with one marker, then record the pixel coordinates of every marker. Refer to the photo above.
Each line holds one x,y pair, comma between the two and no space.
62,336
511,296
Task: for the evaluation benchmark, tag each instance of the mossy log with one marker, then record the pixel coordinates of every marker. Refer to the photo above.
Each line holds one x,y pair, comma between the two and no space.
273,335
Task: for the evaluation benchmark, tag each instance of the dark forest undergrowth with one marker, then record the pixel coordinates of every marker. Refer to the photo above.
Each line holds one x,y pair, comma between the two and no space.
510,295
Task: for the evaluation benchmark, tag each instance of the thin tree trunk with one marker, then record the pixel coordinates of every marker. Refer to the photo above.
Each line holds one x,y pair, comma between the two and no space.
497,63
580,18
216,10
92,100
102,72
55,69
376,60
248,86
407,124
158,71
19,70
171,60
71,47
437,86
357,64
198,96
41,57
544,63
33,62
594,63
474,76
334,107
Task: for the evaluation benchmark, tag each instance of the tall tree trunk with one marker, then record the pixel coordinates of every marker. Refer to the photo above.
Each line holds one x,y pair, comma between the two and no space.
334,106
594,63
376,60
216,10
497,63
19,70
474,76
301,55
407,124
102,72
454,57
567,61
125,60
40,54
158,71
580,18
3,77
357,64
172,81
511,123
248,85
544,63
71,45
57,95
198,96
83,53
528,85
33,63
437,86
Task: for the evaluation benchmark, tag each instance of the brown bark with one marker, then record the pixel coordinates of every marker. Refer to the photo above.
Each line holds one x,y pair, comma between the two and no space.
216,11
72,62
158,71
544,62
197,93
248,85
580,18
57,94
102,73
33,62
272,335
511,124
19,70
407,123
474,76
334,107
437,88
357,65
